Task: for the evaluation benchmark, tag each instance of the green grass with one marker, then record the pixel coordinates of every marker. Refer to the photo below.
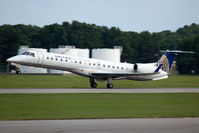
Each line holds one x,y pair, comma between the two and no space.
103,105
59,81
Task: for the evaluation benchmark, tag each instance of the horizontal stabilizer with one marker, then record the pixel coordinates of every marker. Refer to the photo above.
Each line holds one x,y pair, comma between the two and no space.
165,77
178,51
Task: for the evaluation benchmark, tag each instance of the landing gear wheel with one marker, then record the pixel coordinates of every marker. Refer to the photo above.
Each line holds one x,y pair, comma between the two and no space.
110,85
93,85
18,72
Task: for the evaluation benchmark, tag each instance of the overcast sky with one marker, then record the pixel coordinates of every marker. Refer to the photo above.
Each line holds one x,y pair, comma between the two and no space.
128,15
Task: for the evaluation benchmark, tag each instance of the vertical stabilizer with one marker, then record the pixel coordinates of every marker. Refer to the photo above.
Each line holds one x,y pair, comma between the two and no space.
165,62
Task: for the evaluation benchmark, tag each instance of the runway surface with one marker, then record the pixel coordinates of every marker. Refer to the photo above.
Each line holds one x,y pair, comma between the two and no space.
90,90
148,125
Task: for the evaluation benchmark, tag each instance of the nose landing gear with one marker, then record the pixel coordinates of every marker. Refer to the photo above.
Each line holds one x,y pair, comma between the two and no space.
18,71
109,83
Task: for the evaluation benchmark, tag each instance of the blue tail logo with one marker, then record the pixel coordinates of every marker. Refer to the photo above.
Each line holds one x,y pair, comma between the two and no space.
165,62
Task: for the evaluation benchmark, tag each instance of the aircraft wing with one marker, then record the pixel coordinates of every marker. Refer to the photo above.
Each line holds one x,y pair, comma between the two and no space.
117,75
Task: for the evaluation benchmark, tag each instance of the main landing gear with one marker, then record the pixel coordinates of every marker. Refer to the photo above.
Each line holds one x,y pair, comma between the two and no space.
93,84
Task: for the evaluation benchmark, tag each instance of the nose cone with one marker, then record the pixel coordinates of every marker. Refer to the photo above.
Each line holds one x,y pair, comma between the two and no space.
14,59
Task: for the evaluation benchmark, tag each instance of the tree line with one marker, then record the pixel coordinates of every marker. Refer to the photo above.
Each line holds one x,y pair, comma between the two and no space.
137,47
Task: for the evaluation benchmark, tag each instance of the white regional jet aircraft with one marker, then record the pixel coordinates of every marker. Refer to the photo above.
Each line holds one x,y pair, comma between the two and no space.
99,69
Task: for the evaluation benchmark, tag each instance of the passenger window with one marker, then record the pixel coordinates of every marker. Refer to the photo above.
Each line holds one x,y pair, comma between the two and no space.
61,59
51,58
47,58
93,64
103,65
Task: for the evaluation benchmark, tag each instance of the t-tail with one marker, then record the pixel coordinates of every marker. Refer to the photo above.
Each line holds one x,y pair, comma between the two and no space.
166,61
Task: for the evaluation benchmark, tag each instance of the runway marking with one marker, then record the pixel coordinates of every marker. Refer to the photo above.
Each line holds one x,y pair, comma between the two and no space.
138,125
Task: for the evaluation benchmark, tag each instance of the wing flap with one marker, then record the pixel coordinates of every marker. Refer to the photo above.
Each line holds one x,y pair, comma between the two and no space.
116,75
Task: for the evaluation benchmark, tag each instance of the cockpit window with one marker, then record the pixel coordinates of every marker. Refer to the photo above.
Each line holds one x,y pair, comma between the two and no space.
32,54
26,53
29,53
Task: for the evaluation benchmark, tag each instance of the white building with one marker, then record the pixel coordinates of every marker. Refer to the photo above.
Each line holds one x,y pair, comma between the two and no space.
107,54
68,50
30,69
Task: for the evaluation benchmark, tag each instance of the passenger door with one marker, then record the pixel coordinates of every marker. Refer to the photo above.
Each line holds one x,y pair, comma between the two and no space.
40,57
